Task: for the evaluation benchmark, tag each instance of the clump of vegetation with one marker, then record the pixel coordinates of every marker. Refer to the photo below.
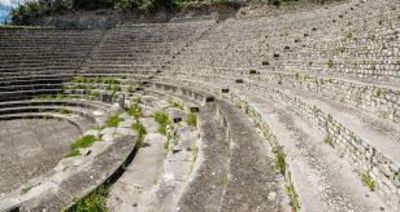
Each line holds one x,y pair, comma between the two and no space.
293,196
39,8
140,130
113,121
72,153
95,201
83,142
377,92
329,63
163,120
367,180
175,104
111,81
191,119
280,163
79,79
328,140
135,111
26,189
279,2
166,143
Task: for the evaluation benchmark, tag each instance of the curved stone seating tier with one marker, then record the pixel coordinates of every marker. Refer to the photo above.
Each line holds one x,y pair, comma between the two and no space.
229,164
79,122
320,85
21,81
169,159
58,102
92,116
26,52
344,135
20,95
82,114
46,86
75,177
381,99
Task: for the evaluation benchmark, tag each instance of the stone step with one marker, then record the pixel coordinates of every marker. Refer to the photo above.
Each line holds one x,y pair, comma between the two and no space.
323,180
141,174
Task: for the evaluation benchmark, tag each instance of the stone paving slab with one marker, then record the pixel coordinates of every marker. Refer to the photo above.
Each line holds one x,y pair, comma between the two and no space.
30,148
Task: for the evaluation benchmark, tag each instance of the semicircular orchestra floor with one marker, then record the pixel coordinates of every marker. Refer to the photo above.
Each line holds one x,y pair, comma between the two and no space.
31,147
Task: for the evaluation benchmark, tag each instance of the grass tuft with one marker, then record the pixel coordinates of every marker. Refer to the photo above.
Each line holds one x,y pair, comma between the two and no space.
280,163
26,189
135,111
72,153
83,142
294,202
141,131
191,119
329,63
367,180
95,201
113,121
328,140
163,120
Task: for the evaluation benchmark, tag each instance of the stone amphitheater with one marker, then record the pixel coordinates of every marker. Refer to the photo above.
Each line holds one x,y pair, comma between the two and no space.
291,112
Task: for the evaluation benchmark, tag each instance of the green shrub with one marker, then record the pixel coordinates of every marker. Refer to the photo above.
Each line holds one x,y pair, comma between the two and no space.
113,121
163,120
191,119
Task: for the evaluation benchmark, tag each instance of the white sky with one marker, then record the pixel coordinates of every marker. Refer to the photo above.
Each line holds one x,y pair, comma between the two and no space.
8,2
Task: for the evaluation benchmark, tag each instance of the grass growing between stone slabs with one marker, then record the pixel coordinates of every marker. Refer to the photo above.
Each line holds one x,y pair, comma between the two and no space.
367,180
113,121
175,104
191,119
72,153
163,120
82,142
140,130
280,165
95,201
135,111
328,140
26,189
293,196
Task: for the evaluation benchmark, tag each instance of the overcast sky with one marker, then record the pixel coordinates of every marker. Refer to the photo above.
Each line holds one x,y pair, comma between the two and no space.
8,2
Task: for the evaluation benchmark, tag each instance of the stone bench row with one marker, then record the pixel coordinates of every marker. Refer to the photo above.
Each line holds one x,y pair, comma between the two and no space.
386,185
229,119
84,173
381,100
387,181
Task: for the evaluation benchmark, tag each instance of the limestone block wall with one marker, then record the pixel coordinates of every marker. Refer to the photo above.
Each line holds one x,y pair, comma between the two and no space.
383,101
361,155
